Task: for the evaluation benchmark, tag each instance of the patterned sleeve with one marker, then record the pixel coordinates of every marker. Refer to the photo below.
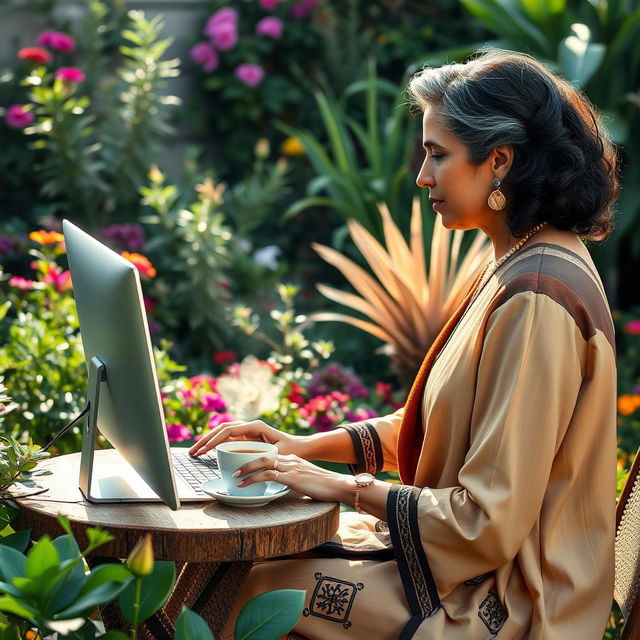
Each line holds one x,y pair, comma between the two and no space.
375,443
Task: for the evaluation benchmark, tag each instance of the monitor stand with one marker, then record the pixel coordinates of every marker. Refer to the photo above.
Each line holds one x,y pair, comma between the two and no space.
115,480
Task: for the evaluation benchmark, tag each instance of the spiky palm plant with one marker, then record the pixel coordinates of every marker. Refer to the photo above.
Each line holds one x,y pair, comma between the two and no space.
406,306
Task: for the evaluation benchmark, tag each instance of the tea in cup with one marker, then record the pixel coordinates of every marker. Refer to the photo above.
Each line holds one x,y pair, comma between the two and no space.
233,455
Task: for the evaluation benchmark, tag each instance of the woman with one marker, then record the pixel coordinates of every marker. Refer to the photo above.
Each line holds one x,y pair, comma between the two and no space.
503,523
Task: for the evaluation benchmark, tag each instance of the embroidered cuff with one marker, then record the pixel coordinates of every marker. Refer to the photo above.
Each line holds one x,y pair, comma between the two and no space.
417,580
366,443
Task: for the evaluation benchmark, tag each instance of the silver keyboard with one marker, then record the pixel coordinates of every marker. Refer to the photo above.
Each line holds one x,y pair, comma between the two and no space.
195,471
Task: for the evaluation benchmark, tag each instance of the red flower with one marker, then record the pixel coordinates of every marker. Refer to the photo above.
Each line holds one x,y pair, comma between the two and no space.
222,357
296,394
142,263
35,54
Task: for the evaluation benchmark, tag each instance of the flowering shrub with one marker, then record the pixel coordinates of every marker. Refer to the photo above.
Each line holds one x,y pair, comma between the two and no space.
255,389
259,60
41,356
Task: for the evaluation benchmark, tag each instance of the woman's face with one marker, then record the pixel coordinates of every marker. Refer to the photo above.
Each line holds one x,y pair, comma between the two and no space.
458,189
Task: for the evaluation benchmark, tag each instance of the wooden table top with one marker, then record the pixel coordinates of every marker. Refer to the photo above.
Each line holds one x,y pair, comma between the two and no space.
197,532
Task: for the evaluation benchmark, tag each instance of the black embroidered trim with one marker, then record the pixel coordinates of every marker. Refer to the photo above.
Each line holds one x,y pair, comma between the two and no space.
478,579
360,552
410,628
492,613
367,446
417,580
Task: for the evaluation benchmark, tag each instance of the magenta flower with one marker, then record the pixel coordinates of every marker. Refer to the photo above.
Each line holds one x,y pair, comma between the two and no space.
213,402
271,27
18,116
632,327
22,283
6,244
225,15
218,418
303,8
205,55
127,237
250,74
269,5
178,432
70,75
225,36
60,279
56,40
360,414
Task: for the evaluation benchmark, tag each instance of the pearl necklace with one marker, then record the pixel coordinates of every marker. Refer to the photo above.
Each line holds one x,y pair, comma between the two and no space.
496,264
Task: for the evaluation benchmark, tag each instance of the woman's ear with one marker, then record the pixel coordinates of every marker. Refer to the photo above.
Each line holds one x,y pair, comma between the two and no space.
501,160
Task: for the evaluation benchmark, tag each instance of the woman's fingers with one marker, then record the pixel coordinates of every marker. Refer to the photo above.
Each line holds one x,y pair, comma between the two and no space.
226,431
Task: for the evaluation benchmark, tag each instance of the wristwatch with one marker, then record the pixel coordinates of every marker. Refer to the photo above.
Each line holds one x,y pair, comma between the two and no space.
363,480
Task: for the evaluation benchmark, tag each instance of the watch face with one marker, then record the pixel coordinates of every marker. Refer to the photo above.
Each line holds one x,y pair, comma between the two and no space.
364,478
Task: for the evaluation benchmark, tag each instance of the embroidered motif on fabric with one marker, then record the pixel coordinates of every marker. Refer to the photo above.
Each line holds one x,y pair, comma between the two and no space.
368,448
332,599
409,550
381,527
492,613
478,579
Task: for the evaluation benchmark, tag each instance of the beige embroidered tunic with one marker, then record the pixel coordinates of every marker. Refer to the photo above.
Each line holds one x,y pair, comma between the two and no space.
507,528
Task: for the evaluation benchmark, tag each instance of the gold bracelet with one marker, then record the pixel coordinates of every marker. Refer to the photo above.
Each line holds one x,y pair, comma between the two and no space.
363,480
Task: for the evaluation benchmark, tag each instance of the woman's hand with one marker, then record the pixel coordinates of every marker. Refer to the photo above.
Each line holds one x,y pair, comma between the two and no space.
256,430
300,475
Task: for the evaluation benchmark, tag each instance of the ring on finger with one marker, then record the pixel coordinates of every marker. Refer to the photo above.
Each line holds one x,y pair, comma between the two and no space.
275,463
276,474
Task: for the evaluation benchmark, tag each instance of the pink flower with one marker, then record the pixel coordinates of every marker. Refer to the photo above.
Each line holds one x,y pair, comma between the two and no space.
360,414
250,74
303,8
271,27
178,432
632,327
56,40
269,5
212,402
225,36
60,279
18,117
205,55
22,283
203,380
224,15
37,55
218,418
70,75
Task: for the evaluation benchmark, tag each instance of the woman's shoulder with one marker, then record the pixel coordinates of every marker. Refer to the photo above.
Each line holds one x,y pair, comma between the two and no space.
564,275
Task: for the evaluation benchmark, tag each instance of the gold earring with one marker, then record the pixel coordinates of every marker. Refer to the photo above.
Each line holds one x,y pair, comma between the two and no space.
497,201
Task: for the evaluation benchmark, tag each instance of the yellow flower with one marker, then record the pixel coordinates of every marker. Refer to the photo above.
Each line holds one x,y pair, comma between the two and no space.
292,147
140,560
628,404
46,237
262,148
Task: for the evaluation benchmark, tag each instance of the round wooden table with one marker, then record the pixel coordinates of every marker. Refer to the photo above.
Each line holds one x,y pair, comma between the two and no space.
213,545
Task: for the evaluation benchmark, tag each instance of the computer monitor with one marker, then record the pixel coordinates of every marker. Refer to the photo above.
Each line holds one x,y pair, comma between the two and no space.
124,396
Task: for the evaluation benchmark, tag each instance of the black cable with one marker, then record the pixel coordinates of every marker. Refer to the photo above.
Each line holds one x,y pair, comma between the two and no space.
66,428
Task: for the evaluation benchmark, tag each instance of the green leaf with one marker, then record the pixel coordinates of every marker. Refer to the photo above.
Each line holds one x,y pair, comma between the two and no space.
270,615
12,632
100,595
42,556
17,607
580,59
97,537
155,591
190,626
7,514
12,563
18,540
114,635
106,573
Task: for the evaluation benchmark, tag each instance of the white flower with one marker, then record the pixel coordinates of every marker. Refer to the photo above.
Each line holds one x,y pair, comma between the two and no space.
268,256
252,392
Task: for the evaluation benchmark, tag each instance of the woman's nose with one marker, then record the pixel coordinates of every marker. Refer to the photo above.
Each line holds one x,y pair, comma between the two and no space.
424,178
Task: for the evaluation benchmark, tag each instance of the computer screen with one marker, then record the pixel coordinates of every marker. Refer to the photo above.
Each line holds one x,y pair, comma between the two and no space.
114,328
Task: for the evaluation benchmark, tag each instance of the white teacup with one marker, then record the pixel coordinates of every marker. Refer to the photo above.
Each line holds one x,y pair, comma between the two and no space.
233,455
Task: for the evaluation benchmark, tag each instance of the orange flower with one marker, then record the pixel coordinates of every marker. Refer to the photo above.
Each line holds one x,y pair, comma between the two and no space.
628,404
46,237
141,262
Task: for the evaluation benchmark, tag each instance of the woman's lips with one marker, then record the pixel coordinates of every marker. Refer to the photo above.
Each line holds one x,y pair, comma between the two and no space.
436,204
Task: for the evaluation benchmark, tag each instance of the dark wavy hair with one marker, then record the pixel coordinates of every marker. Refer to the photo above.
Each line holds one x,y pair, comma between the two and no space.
565,168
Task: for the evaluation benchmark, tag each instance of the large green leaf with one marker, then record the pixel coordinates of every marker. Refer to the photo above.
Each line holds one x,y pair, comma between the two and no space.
579,57
18,540
190,626
18,607
270,615
156,589
100,595
42,557
12,563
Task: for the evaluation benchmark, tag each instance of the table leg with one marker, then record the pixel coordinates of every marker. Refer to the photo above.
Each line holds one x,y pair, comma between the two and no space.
209,589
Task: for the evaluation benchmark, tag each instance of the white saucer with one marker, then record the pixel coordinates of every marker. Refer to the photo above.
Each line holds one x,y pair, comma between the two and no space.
216,489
